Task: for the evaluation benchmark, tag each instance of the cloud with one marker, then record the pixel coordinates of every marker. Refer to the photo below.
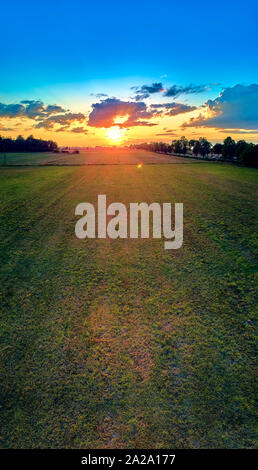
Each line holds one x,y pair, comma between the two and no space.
62,119
35,109
235,108
98,95
44,116
63,129
29,109
5,129
79,130
238,131
176,90
53,109
11,110
167,133
103,114
180,108
145,91
173,109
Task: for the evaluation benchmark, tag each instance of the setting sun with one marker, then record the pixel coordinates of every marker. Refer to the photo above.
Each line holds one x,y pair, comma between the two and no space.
115,133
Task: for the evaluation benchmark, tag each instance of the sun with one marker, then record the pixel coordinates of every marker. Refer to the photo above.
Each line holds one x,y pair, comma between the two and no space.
115,133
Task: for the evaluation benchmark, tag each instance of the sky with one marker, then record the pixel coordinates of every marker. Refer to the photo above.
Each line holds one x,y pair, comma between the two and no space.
87,73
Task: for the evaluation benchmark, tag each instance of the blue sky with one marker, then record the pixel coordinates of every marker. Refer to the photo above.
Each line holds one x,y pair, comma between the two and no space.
62,51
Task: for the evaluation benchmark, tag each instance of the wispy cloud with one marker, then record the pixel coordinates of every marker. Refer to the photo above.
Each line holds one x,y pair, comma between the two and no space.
79,130
167,133
99,95
238,131
173,109
176,90
145,91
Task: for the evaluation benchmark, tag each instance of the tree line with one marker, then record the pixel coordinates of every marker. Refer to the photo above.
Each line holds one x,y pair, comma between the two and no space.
241,151
26,145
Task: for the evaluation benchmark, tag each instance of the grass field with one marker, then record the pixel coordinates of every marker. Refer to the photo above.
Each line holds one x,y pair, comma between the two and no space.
109,156
120,343
26,158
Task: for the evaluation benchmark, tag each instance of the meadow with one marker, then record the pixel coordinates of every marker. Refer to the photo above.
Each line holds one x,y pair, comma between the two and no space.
25,158
108,156
120,343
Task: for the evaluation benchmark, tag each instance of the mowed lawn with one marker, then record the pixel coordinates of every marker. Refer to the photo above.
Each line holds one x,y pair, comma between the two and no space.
120,343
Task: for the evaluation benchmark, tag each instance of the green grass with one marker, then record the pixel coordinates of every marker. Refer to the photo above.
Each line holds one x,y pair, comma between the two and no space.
119,343
26,158
105,156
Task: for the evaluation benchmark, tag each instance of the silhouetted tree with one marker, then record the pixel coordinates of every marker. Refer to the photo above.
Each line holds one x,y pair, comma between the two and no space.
26,145
205,146
217,149
249,155
197,148
229,148
246,153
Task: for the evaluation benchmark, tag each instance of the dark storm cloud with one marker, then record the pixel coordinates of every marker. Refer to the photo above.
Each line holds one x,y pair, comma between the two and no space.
235,108
103,114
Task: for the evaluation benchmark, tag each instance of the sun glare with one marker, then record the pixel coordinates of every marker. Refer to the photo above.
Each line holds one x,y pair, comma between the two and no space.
121,119
116,134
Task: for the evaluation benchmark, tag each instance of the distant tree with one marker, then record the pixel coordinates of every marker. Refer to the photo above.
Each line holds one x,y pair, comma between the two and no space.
26,145
184,145
20,139
197,148
229,148
192,143
205,146
246,153
217,149
249,155
175,145
241,145
201,146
